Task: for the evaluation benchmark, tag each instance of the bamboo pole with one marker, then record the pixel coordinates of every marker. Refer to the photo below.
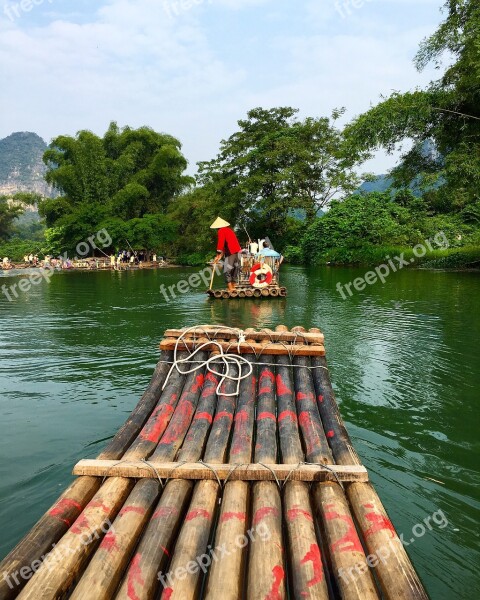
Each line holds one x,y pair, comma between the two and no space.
244,348
185,579
55,522
313,435
153,553
212,332
306,566
395,572
266,568
345,549
243,471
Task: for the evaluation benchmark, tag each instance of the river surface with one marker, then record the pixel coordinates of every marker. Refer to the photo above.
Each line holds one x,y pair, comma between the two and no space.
77,353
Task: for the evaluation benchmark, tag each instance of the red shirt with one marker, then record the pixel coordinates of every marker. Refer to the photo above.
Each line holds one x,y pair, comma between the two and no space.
227,242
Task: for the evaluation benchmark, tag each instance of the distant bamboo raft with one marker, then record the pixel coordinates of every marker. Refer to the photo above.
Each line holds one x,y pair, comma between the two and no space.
210,493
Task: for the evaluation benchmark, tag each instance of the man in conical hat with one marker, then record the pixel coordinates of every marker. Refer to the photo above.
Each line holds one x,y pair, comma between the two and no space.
229,248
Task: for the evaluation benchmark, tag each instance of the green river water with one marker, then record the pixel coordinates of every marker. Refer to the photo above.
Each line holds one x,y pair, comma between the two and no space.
76,355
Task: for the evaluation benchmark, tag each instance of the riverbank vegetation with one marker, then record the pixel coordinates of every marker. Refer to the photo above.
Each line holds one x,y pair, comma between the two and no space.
296,180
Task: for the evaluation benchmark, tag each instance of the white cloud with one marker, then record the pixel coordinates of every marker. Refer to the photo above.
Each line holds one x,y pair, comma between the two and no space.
133,63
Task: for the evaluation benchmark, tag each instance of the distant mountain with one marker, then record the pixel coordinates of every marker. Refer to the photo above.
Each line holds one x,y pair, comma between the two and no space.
21,166
380,184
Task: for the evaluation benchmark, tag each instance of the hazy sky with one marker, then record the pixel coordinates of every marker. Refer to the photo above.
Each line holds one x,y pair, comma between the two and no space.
192,68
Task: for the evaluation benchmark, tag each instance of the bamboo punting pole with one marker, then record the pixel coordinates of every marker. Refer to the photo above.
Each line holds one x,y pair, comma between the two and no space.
226,576
72,553
266,568
104,572
55,522
153,553
306,566
185,580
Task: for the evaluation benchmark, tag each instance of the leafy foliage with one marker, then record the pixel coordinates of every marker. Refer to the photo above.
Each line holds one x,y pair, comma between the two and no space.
8,214
276,163
446,115
373,220
128,179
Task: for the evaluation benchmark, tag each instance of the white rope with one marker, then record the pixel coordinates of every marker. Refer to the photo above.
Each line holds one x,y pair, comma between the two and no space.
228,360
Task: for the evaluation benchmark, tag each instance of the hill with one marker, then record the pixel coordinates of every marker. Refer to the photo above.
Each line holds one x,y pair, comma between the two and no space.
21,165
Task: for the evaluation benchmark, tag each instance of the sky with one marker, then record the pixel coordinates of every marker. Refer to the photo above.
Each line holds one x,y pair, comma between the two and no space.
193,68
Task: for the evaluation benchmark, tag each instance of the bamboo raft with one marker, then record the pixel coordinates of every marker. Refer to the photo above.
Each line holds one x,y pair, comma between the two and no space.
221,488
273,291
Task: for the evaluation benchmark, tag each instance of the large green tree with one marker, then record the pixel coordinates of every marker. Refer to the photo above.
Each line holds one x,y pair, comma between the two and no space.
127,175
276,163
443,121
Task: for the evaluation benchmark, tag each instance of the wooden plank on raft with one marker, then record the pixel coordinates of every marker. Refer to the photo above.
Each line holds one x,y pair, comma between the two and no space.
233,347
258,336
198,471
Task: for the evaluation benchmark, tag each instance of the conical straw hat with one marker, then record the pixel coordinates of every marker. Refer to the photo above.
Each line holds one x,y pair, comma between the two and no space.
219,223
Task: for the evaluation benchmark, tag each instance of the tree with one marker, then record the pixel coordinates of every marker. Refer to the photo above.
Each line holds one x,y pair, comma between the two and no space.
8,213
276,163
126,175
443,121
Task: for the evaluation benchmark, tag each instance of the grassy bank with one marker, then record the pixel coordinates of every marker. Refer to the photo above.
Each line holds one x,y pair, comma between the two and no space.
451,258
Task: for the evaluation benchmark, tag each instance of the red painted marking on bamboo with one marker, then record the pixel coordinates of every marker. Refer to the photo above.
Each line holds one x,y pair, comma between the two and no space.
157,423
330,434
266,415
264,512
109,542
349,542
179,424
287,414
197,512
62,507
278,577
165,551
302,396
282,388
241,436
139,510
267,379
309,432
228,516
82,522
210,385
379,523
199,381
167,594
223,414
135,577
370,506
204,415
164,512
320,398
314,556
296,512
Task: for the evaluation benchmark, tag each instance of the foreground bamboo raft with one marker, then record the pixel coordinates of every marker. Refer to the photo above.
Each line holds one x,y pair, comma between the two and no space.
221,488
